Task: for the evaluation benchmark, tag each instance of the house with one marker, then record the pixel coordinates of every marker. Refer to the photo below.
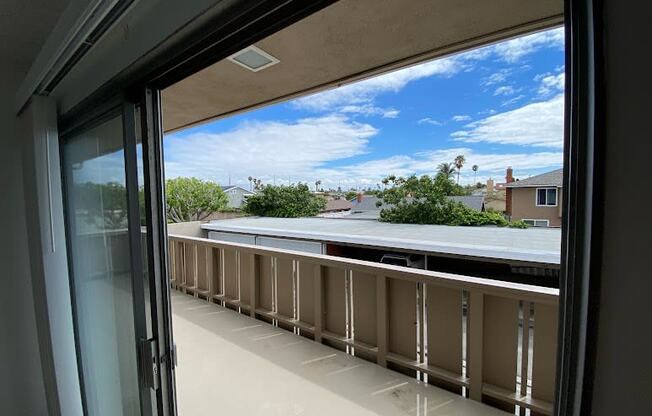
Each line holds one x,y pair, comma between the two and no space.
535,200
337,205
237,195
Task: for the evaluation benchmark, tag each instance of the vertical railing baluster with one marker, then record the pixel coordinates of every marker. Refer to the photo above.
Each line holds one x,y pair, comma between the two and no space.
525,352
476,335
381,319
319,300
209,272
254,281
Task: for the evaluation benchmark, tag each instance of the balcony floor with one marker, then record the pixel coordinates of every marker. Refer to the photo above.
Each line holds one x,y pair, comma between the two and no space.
231,364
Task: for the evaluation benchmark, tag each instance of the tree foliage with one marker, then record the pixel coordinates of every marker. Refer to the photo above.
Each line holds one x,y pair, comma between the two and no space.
192,199
285,201
103,205
423,200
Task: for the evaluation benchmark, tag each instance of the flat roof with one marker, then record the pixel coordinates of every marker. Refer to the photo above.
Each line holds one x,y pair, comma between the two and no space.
532,245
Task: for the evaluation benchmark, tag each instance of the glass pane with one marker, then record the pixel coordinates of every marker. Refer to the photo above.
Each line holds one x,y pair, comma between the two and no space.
94,163
552,197
541,196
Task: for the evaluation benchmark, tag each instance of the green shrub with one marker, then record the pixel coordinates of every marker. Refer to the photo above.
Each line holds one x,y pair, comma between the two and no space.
285,202
518,224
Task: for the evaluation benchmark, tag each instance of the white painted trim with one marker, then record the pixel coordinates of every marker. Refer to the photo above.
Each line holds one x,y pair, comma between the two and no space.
49,259
536,196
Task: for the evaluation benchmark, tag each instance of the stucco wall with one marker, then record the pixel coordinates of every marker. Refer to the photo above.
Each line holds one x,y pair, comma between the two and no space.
524,207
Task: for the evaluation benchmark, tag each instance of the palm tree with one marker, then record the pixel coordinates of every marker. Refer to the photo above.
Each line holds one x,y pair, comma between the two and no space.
459,162
474,168
446,169
317,183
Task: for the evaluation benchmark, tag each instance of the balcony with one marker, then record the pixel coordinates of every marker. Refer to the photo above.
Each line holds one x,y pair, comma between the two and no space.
322,333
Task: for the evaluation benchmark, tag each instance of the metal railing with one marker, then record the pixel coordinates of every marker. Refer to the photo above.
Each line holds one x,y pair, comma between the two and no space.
490,340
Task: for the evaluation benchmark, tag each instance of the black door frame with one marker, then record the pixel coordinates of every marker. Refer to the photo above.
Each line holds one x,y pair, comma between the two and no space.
579,280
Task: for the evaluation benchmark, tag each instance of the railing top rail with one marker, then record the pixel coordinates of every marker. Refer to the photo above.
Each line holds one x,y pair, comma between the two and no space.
487,286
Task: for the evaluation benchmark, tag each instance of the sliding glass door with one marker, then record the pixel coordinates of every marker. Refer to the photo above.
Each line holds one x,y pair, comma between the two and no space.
116,295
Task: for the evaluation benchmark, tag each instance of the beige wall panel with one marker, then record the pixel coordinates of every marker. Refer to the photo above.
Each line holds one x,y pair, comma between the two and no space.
364,307
402,304
284,287
266,283
334,301
444,316
545,352
307,292
230,274
245,273
500,342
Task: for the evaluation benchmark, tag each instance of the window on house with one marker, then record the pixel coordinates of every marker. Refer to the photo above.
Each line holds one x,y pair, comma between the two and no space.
537,223
546,196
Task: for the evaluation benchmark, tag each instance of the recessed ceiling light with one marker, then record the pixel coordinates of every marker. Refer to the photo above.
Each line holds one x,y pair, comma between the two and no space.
253,58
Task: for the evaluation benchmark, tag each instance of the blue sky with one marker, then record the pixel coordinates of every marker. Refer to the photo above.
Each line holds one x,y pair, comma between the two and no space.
501,105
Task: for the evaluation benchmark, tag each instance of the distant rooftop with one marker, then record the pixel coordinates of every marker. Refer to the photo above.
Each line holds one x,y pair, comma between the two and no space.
554,178
533,245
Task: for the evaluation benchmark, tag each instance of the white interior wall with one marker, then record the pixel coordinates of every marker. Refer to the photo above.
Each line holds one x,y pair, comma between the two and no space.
22,389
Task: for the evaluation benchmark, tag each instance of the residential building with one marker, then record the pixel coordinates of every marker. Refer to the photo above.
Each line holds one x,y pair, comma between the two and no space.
537,200
237,195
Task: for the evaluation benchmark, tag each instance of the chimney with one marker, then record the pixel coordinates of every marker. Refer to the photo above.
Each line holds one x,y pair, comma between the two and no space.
490,186
509,177
359,197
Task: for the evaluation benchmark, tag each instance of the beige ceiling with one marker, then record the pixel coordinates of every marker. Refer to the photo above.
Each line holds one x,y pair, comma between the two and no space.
350,40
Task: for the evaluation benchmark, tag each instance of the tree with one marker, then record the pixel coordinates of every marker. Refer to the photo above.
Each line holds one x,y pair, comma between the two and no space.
446,169
317,183
105,204
350,195
459,163
474,168
285,202
424,200
192,199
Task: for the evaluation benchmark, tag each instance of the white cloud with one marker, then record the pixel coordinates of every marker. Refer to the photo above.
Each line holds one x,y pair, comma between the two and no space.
461,117
299,151
551,84
370,173
497,77
537,124
370,110
513,50
266,148
364,92
504,90
512,100
428,120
